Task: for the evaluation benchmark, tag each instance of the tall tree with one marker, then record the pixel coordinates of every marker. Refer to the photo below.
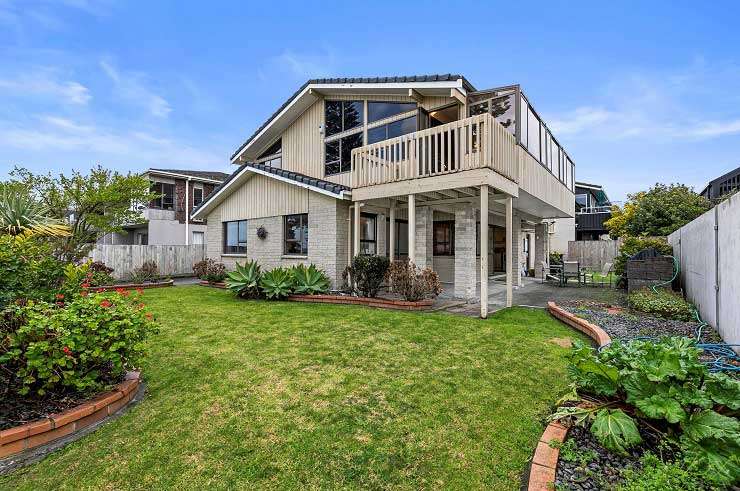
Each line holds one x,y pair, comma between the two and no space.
659,211
93,204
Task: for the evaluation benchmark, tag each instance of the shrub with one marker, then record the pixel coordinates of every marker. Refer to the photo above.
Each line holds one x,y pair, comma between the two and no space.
148,272
82,345
100,274
366,274
663,382
277,283
28,270
310,280
664,303
411,283
556,258
632,245
210,271
77,276
656,475
245,280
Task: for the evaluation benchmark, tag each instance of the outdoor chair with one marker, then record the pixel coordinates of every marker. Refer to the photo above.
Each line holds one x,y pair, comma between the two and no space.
550,272
571,269
605,274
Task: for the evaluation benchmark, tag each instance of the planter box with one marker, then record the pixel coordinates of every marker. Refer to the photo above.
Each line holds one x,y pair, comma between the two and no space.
219,284
383,303
132,286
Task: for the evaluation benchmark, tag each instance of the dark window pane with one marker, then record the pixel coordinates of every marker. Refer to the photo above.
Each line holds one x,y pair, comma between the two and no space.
348,143
403,127
243,232
477,109
333,117
197,196
232,229
376,134
381,110
502,109
274,148
332,157
443,238
296,234
353,114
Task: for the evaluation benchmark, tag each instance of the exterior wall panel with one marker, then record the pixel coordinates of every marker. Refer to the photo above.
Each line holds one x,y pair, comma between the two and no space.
263,196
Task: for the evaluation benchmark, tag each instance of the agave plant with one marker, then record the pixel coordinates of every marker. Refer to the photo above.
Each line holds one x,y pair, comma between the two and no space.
245,279
20,213
277,283
310,280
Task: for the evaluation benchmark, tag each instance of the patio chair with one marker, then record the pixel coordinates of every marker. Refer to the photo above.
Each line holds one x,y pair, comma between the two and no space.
571,269
551,272
606,269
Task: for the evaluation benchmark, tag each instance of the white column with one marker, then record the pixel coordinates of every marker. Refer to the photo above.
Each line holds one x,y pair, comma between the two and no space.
392,232
465,263
412,228
509,249
187,212
356,248
484,251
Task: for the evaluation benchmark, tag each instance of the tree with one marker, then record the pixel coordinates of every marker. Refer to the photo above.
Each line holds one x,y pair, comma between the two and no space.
94,204
20,213
657,212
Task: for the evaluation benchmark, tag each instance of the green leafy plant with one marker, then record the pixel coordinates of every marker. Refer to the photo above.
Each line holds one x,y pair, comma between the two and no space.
148,272
412,283
653,474
632,245
663,383
82,344
277,283
21,213
245,279
28,269
569,452
556,257
366,274
210,270
310,280
663,303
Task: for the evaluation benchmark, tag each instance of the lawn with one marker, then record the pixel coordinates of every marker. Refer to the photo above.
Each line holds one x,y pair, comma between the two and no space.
255,394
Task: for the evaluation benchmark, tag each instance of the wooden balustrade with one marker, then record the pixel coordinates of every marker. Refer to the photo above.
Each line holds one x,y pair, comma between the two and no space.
471,143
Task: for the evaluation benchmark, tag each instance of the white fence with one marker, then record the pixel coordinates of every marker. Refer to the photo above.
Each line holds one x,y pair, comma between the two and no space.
172,260
709,253
593,253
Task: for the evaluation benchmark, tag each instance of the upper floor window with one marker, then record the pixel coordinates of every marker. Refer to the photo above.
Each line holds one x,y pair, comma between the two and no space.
273,155
381,110
166,198
235,237
197,196
342,116
391,130
296,235
338,153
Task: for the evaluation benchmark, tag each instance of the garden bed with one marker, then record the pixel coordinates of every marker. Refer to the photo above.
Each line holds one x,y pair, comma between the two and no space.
215,284
380,302
55,425
132,286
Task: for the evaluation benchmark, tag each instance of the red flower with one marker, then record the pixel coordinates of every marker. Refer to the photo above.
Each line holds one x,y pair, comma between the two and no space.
139,291
59,296
83,293
67,351
141,305
85,285
106,303
149,316
60,304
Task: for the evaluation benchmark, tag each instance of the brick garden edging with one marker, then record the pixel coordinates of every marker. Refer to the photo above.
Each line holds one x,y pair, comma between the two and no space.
217,284
600,337
37,433
131,286
383,303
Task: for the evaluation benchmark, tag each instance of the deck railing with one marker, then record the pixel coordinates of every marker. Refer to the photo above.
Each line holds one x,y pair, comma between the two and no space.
471,143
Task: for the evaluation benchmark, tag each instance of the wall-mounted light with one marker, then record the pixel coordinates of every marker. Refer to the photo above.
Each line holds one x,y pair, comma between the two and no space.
321,129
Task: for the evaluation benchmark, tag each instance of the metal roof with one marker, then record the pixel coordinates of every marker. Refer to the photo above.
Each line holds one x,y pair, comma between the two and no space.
202,174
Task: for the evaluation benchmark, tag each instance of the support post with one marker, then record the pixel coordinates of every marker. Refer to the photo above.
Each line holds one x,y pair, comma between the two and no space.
187,212
509,250
412,229
484,251
356,246
391,246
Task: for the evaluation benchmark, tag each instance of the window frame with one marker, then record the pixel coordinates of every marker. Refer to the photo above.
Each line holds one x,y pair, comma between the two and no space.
373,121
303,223
449,245
202,195
159,202
374,242
239,248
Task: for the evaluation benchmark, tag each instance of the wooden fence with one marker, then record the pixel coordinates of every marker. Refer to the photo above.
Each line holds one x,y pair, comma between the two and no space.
593,253
172,260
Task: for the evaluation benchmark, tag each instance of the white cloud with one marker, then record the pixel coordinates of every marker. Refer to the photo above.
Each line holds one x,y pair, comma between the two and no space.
46,83
305,66
131,87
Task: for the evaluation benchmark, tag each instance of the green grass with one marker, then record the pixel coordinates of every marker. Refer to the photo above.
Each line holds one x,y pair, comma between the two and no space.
255,394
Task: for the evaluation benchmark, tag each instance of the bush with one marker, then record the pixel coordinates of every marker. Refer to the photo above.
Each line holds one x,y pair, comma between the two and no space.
245,280
78,276
411,283
656,475
277,283
366,274
100,274
210,271
664,303
309,280
83,345
556,258
666,384
28,270
633,245
148,272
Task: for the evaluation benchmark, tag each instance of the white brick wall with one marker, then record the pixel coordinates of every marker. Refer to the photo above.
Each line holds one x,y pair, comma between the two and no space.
424,229
466,265
516,251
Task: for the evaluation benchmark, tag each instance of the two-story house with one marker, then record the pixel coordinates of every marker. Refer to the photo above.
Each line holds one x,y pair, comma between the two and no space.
593,208
424,167
164,219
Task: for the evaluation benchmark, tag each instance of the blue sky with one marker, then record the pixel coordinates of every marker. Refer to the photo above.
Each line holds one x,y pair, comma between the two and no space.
638,92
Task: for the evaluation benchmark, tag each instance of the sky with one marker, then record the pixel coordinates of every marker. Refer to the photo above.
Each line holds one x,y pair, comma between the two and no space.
637,92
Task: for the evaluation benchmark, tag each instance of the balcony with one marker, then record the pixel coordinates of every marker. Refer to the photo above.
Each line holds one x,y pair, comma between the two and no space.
593,218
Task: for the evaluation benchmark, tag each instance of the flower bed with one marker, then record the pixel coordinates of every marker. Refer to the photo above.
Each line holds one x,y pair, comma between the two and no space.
132,286
385,303
599,336
216,284
37,433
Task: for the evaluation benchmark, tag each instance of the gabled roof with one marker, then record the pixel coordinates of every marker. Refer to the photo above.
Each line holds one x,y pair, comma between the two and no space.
197,174
397,82
332,189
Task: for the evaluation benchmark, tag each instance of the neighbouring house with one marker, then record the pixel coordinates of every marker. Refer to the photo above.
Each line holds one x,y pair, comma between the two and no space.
722,186
420,167
164,219
593,208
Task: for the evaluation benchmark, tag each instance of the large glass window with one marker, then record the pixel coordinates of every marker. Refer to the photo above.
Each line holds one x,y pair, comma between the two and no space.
391,130
368,234
381,110
401,247
501,108
296,235
197,196
444,238
342,116
273,155
339,153
166,200
533,138
523,111
235,237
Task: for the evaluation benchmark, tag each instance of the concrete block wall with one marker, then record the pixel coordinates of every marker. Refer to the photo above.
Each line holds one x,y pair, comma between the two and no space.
541,252
466,265
517,256
424,230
